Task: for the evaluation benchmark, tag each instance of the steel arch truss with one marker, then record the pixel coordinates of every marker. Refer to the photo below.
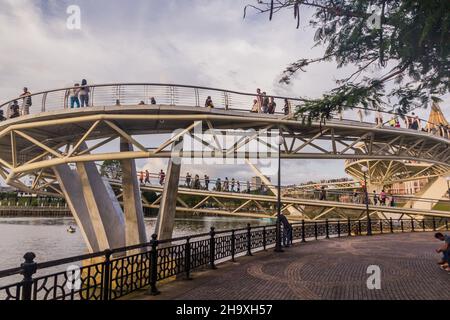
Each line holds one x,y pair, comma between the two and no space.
30,147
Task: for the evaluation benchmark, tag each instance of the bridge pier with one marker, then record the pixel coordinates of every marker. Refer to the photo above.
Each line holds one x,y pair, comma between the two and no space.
168,205
94,206
132,203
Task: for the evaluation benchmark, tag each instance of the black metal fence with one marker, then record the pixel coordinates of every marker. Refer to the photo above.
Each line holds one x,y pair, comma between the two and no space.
115,273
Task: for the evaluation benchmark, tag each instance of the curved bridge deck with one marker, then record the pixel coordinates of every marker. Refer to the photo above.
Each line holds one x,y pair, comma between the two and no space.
333,269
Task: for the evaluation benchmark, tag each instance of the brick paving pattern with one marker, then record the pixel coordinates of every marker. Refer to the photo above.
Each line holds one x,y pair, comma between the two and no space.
326,269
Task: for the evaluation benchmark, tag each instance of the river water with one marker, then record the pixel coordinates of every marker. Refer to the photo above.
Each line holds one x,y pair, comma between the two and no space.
49,240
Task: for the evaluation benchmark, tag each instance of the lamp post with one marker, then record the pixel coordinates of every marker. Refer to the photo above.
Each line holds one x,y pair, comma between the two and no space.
364,169
278,226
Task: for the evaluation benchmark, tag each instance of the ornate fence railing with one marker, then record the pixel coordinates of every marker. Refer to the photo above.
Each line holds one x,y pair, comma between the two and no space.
122,94
112,274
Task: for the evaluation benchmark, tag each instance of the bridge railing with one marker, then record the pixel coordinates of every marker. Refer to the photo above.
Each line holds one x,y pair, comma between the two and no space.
115,273
108,95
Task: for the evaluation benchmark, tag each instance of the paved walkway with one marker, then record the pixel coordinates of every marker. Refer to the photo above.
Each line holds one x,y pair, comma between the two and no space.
326,269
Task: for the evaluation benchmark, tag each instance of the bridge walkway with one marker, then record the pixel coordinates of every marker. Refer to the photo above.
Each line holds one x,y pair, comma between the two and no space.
330,269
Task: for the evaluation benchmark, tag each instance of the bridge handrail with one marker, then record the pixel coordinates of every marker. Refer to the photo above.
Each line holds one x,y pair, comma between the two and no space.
146,264
119,91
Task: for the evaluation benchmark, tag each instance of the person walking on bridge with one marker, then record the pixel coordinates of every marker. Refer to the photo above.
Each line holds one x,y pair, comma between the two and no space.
375,198
287,107
206,182
14,110
218,185
259,100
147,177
73,96
323,194
27,102
84,94
162,177
209,103
188,180
265,103
272,106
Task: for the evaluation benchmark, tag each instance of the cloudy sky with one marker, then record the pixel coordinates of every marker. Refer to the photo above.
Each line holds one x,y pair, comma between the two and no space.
197,42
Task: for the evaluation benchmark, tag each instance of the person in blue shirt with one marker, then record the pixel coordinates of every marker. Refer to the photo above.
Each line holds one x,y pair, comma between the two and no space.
444,249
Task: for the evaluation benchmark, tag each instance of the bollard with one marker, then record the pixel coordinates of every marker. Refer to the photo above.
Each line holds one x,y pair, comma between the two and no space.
401,224
29,267
381,226
423,225
327,229
434,224
412,225
349,226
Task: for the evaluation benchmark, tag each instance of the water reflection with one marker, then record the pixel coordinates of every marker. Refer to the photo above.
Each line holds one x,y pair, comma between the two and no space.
48,237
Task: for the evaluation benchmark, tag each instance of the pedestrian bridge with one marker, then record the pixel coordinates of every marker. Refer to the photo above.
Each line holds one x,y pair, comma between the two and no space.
121,117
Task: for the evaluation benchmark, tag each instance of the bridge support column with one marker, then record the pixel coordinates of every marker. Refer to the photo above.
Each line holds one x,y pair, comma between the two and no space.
132,202
104,209
70,184
93,204
168,205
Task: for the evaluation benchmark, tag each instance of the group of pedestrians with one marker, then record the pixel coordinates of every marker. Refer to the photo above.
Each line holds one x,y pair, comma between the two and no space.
144,177
15,110
266,104
195,183
79,95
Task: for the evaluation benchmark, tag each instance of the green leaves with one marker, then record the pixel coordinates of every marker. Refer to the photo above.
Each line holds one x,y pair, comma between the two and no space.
413,40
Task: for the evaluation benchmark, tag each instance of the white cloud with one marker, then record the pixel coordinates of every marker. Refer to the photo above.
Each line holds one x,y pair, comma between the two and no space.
203,42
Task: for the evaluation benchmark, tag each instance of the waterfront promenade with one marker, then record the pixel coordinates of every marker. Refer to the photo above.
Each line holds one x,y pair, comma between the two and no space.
326,269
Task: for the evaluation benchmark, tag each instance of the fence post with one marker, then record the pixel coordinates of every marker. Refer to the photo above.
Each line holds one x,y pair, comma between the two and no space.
107,275
412,225
381,226
446,224
187,249
327,229
212,249
249,240
401,224
349,226
264,238
315,230
233,245
359,227
434,224
391,225
339,228
29,267
154,266
303,231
